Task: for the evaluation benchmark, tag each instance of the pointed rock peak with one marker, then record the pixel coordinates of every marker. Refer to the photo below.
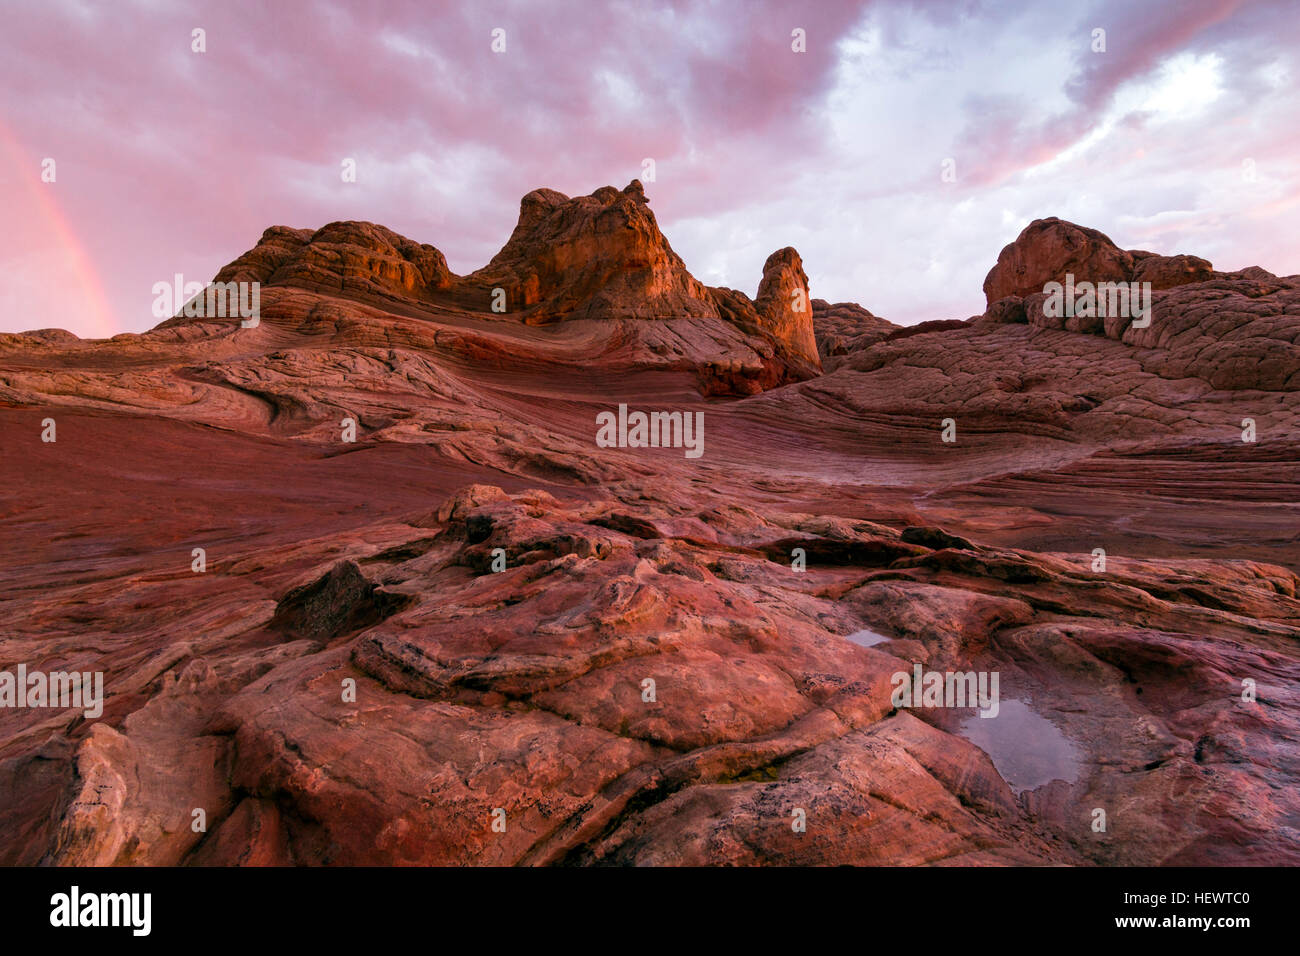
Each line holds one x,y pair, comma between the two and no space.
785,305
597,256
539,204
635,190
783,266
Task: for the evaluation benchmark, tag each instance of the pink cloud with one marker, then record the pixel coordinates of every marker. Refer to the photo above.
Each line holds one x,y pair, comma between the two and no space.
171,161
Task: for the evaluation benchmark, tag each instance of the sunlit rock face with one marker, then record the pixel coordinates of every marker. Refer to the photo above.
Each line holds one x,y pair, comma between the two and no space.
365,588
599,256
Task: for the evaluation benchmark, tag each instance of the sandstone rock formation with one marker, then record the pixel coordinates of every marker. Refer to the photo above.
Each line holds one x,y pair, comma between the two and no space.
845,327
596,264
355,258
598,256
1165,272
474,613
784,305
1049,249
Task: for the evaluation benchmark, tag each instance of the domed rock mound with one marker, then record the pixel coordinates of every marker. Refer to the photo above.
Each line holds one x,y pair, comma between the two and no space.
1049,249
597,256
358,258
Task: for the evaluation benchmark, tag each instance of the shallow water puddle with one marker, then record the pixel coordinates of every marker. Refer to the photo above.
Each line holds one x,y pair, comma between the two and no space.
867,637
1028,750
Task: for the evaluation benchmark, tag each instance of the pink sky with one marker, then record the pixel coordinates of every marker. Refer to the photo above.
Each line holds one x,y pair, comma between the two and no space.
1181,137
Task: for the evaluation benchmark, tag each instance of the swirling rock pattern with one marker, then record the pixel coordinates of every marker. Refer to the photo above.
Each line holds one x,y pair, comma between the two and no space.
474,636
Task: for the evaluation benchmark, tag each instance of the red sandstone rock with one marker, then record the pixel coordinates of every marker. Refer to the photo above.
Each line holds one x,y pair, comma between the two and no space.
1046,250
845,327
785,306
598,256
357,258
1165,272
498,589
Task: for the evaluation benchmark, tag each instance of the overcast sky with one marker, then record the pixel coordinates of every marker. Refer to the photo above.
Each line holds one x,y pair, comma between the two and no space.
1181,137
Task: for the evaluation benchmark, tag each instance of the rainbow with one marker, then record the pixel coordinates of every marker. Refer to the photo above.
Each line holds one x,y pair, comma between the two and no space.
102,321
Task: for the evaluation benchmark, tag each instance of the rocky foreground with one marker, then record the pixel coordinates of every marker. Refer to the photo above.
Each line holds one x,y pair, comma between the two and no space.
472,635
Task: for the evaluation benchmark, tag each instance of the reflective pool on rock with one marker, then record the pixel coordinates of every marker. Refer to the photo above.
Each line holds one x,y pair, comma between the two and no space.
1028,750
867,637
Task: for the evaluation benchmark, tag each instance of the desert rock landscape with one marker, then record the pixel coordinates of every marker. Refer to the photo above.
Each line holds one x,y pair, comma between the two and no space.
473,636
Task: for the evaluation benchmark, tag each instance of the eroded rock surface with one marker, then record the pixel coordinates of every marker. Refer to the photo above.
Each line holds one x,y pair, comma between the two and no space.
1050,249
474,636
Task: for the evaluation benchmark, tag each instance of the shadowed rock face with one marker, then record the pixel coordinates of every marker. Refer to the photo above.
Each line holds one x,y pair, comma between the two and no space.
357,258
638,657
1046,250
338,603
1049,249
1165,272
845,327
